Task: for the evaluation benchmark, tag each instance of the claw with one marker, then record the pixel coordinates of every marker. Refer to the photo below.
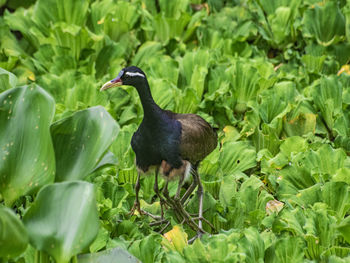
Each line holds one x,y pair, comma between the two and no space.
198,235
137,207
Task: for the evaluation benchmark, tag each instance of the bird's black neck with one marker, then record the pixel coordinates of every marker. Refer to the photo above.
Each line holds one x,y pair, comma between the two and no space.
151,110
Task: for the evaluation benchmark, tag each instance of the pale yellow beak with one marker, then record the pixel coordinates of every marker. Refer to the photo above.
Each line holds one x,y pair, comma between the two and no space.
111,84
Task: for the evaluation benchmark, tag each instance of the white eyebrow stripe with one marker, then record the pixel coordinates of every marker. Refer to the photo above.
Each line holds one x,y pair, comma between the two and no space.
133,74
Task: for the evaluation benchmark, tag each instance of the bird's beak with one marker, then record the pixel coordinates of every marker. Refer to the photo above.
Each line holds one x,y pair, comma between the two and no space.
113,83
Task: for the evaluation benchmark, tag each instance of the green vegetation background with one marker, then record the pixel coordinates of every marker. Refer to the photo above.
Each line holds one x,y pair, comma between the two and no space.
272,76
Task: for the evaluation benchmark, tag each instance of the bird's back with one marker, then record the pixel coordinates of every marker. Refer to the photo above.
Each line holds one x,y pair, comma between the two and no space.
198,139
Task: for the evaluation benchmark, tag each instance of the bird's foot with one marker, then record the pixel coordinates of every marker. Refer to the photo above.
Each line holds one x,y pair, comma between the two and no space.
160,222
163,207
198,235
187,218
137,207
205,221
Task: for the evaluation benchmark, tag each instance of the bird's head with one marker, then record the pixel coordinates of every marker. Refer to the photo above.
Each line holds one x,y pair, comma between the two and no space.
131,76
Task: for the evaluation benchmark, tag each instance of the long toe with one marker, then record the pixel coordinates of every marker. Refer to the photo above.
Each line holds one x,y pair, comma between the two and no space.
137,207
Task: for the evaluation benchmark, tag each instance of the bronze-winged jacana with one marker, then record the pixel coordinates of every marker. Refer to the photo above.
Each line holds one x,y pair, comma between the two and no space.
172,143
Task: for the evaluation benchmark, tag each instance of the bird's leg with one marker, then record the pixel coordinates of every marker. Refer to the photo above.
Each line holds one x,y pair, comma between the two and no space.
137,202
156,190
177,196
179,207
200,197
180,212
171,202
189,192
207,222
163,229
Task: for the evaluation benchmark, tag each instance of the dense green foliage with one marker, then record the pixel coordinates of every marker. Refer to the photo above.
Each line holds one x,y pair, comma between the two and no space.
272,76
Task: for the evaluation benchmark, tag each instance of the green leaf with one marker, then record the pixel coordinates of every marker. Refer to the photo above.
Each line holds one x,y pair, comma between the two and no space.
327,95
244,79
344,228
320,230
13,235
291,221
342,175
319,161
237,156
326,23
21,21
313,64
86,135
194,68
72,37
252,245
336,196
187,101
63,220
270,7
147,249
101,240
107,160
293,178
253,196
163,93
108,256
286,249
310,195
274,103
293,145
300,121
7,80
228,190
26,163
52,11
215,248
280,23
145,52
169,28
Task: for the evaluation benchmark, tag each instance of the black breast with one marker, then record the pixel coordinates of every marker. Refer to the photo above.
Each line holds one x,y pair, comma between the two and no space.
156,141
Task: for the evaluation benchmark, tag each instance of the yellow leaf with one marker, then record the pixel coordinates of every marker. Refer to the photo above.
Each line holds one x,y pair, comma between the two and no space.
319,4
31,76
344,69
101,21
175,239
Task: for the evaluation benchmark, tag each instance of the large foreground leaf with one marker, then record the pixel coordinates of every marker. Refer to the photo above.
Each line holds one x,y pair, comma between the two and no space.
63,219
13,235
108,256
80,142
26,156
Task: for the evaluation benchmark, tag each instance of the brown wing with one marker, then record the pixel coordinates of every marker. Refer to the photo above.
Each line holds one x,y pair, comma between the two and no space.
198,138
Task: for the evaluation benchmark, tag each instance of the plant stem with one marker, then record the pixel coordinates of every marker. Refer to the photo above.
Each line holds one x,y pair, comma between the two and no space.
43,257
36,257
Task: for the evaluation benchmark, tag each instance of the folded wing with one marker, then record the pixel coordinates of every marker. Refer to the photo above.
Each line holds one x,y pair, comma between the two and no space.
198,138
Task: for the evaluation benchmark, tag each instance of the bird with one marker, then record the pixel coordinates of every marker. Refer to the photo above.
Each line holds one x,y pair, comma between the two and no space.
173,144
